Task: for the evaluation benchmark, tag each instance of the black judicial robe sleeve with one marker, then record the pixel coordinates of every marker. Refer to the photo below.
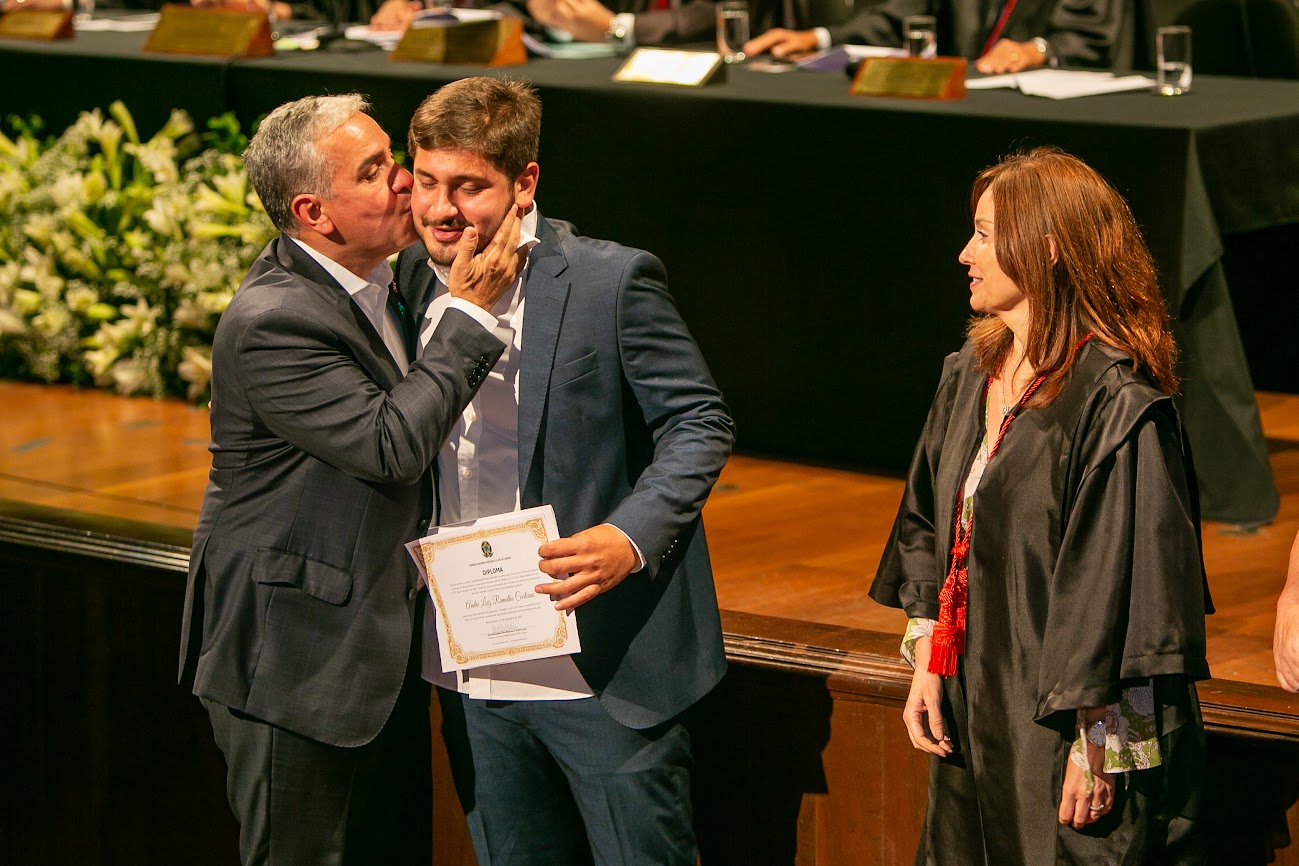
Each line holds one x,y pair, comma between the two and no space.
1127,599
914,563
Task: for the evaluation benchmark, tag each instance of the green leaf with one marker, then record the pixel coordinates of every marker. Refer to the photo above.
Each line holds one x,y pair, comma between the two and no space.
124,118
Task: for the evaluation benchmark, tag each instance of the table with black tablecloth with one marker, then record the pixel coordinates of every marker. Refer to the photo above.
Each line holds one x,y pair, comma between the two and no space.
811,236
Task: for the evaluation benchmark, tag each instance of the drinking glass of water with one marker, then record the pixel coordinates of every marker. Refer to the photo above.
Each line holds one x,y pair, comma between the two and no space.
920,35
84,9
732,29
1174,62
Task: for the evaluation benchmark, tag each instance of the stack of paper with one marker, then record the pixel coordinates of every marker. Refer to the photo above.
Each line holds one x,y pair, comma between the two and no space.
1062,83
123,24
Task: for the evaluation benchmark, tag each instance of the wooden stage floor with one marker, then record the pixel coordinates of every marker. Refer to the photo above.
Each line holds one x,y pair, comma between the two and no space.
787,540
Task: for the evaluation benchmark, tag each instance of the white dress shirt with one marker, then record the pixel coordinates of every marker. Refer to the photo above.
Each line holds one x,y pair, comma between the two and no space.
371,295
478,476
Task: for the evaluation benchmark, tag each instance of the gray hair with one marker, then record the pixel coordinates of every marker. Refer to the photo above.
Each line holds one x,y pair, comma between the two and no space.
283,159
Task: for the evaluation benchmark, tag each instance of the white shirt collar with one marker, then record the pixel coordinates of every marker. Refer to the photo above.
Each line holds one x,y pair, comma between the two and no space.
527,240
381,276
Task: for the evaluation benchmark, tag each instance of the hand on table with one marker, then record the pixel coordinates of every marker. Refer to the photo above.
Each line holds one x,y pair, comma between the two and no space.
10,5
1010,56
586,20
593,561
282,11
782,43
395,15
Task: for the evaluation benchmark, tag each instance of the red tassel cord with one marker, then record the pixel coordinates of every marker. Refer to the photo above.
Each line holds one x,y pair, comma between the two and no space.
948,643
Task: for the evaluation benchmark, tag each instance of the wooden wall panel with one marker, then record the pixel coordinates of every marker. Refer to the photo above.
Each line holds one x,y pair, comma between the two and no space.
801,757
115,763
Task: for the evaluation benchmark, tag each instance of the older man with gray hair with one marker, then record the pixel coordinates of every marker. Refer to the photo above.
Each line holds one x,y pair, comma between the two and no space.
302,617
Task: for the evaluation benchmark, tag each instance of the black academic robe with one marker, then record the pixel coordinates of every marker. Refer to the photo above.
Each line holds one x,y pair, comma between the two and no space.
1085,576
692,20
1091,33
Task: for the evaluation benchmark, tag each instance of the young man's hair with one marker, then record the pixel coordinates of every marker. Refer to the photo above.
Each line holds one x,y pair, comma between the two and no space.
499,119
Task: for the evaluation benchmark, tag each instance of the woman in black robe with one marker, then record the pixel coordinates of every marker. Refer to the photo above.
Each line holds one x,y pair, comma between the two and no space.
1057,627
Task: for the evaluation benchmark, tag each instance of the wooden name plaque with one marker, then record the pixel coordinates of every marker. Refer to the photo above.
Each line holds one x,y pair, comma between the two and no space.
44,24
911,77
214,32
492,43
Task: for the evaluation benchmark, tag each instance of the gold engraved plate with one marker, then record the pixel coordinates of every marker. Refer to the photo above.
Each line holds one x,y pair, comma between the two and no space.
40,24
212,32
911,77
491,43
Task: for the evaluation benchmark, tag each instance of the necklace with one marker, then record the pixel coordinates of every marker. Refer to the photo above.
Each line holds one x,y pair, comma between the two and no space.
949,634
1006,403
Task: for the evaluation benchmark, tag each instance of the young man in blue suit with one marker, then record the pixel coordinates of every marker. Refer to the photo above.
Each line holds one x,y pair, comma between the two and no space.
601,406
301,623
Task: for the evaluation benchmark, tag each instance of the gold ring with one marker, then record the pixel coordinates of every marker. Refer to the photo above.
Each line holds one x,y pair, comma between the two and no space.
1014,55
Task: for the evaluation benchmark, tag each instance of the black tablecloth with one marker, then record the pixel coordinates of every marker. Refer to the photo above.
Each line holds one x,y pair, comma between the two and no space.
810,236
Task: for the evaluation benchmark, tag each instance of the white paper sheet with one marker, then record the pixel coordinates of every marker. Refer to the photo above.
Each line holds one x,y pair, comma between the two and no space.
1062,83
124,24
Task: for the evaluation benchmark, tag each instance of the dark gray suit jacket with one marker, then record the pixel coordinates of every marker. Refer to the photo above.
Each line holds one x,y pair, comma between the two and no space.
299,607
620,422
1100,33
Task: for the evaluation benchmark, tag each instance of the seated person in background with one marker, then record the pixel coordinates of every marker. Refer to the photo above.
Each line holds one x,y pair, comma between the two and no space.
998,36
629,22
10,5
302,10
279,10
626,23
132,6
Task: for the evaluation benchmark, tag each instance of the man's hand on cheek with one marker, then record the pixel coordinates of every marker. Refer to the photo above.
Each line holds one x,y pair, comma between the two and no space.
483,277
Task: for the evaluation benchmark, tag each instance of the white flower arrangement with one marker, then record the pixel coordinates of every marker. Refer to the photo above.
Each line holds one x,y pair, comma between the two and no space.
118,255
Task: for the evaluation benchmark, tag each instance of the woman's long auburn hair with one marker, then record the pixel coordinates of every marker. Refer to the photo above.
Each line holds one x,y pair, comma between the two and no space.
1103,280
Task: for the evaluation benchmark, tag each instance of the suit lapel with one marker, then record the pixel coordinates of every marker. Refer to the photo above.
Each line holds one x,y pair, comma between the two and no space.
416,280
543,315
379,361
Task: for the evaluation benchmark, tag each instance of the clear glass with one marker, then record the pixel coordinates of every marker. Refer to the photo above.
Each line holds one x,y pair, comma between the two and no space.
732,29
1174,60
920,35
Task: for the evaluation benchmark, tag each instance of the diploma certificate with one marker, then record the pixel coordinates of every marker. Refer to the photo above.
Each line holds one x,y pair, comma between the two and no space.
480,576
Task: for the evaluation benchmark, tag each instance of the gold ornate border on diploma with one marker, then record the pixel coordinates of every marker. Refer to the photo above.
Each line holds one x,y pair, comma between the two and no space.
463,656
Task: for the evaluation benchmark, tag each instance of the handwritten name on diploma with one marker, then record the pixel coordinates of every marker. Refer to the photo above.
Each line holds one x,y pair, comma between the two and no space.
493,601
481,577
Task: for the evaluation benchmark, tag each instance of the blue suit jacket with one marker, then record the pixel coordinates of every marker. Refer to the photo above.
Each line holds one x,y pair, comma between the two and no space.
620,422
